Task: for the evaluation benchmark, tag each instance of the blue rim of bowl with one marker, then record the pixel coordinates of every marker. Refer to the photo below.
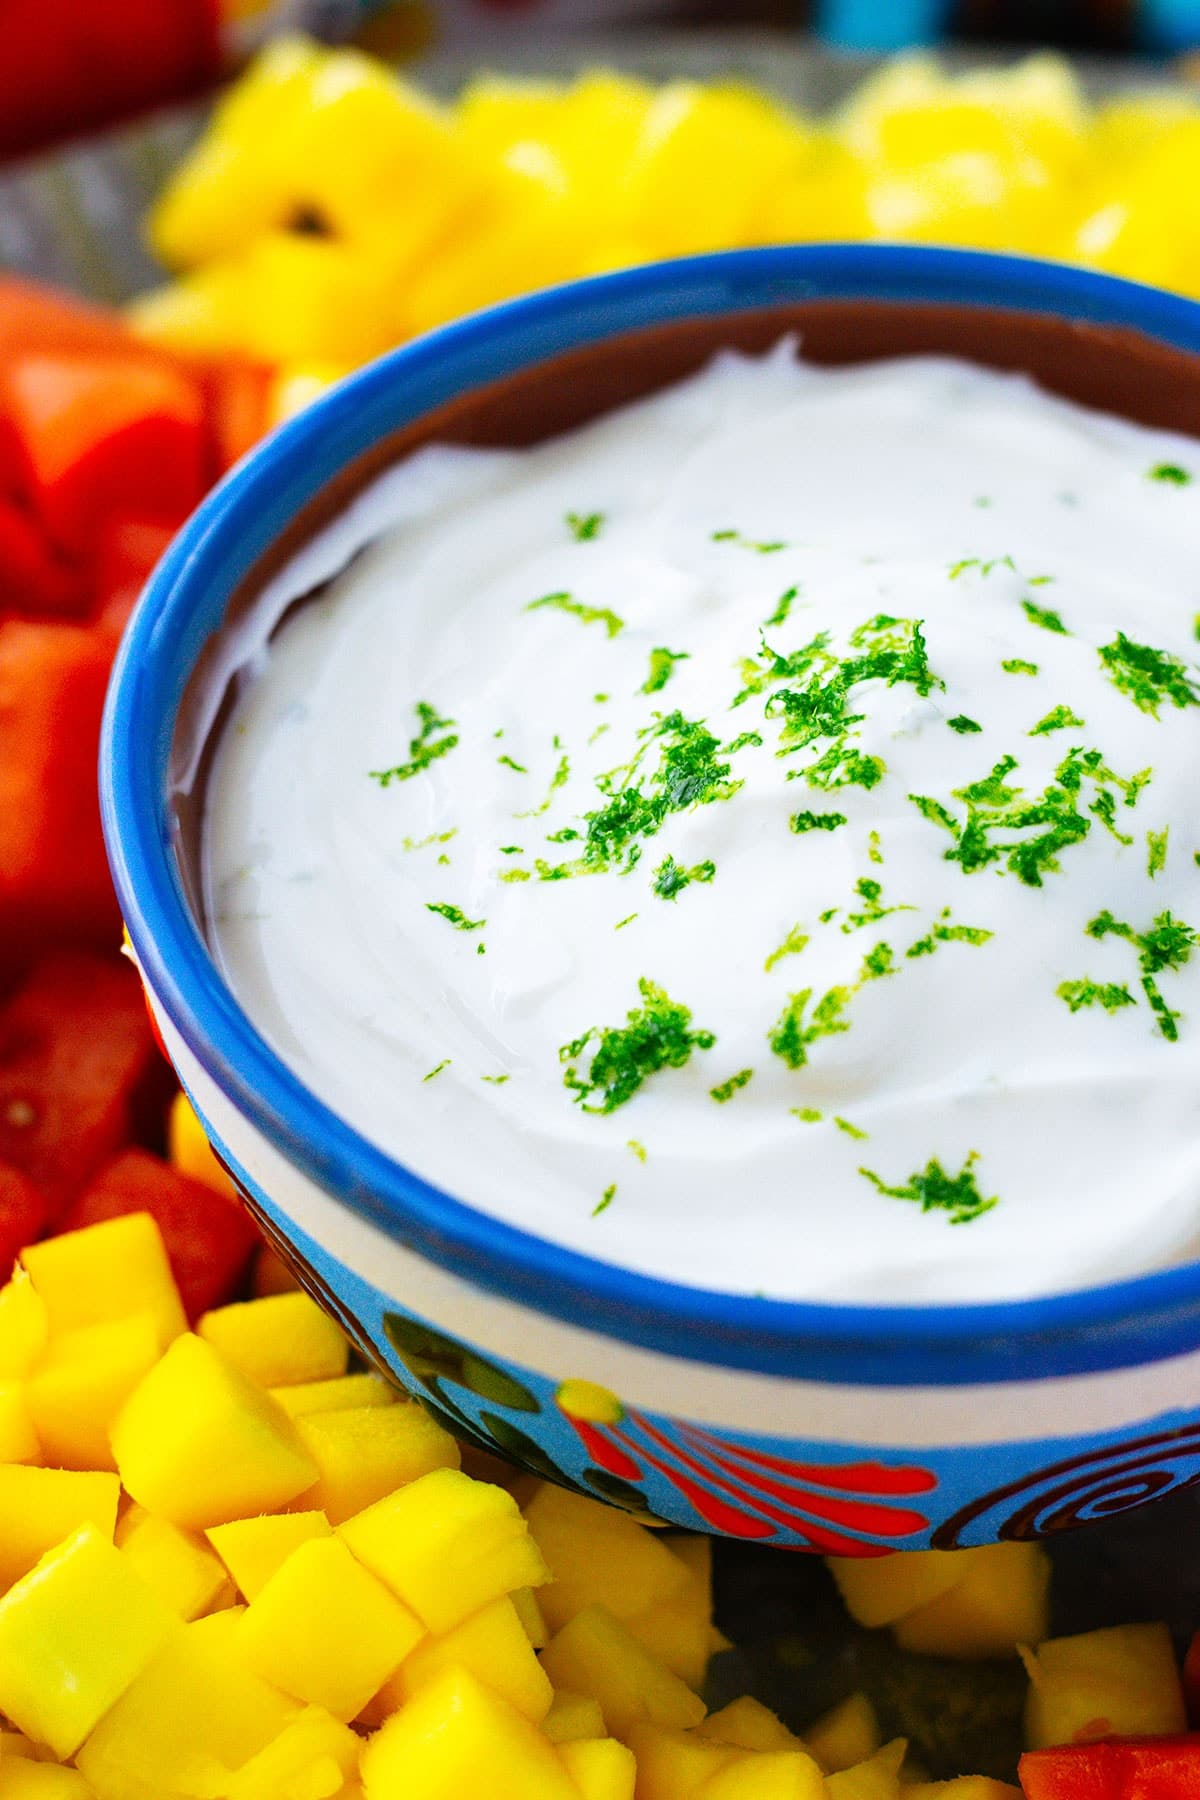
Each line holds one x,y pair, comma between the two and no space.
1112,1326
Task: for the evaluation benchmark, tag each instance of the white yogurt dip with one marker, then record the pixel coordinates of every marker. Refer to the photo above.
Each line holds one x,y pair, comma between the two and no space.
752,839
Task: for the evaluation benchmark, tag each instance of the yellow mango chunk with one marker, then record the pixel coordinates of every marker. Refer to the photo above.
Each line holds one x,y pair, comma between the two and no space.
601,1768
41,1781
1120,1682
572,1716
74,1633
847,1734
15,1743
535,245
438,1746
878,1590
326,1631
674,1764
24,1326
678,1632
598,1556
201,1444
279,1341
180,1568
82,1383
966,1787
340,1395
189,1150
767,1775
1002,1600
106,1271
491,1645
41,1507
194,1715
446,1545
313,1758
252,1549
747,1724
595,1654
532,1618
19,1442
366,1452
876,1779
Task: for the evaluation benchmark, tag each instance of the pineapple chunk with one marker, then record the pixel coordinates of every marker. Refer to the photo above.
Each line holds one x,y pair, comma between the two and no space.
194,1715
1120,1682
572,1716
878,1590
278,1342
366,1452
601,1768
594,1654
749,1725
200,1444
847,1734
82,1383
74,1633
326,1631
41,1507
180,1568
598,1556
105,1272
876,1779
446,1545
491,1645
1002,1600
438,1746
252,1549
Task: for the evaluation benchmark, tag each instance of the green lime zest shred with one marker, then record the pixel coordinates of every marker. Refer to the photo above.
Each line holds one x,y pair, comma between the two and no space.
817,821
444,1064
575,609
657,1035
1059,718
725,1090
1045,617
662,667
424,749
933,1190
670,877
1156,851
963,725
454,915
584,526
1016,665
1165,945
605,1201
1147,676
792,945
1170,473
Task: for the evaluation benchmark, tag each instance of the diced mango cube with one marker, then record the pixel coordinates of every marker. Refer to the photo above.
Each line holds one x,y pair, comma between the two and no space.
277,1342
601,1768
82,1383
532,1618
440,1744
878,1590
847,1734
252,1549
572,1716
346,1393
106,1271
19,1441
326,1631
313,1758
1119,1682
201,1444
194,1715
24,1326
446,1545
749,1725
876,1779
767,1775
15,1743
188,1147
26,1780
1002,1600
366,1452
41,1507
599,1556
492,1645
678,1631
74,1633
180,1568
595,1654
673,1764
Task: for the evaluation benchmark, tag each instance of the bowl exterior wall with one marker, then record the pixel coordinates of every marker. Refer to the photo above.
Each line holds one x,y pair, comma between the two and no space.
842,1470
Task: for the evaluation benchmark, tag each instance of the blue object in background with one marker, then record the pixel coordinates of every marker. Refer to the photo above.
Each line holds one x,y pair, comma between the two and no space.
895,24
1164,24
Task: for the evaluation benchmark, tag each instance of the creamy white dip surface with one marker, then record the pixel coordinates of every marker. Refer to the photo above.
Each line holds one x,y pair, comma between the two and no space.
752,839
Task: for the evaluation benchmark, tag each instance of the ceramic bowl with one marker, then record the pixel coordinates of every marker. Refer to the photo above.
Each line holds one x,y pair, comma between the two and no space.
836,1428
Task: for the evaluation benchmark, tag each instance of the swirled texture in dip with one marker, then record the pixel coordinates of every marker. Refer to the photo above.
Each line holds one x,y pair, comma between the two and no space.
754,838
